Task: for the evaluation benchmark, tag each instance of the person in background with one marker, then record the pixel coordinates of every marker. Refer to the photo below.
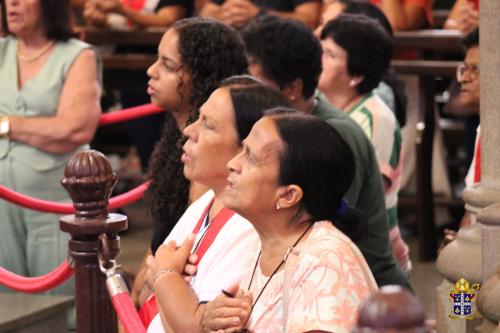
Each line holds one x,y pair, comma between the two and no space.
307,275
49,110
239,13
285,54
468,75
225,120
356,53
194,55
390,89
161,13
464,16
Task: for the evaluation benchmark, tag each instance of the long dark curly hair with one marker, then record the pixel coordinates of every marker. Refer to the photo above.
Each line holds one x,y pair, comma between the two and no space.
210,52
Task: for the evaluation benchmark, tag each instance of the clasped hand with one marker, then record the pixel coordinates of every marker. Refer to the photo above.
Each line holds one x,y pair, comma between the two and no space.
227,314
172,257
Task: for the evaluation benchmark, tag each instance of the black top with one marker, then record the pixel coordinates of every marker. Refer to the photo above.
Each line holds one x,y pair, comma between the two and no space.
188,4
280,5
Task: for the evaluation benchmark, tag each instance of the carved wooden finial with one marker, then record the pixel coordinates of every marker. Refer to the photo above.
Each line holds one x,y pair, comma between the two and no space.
392,309
89,180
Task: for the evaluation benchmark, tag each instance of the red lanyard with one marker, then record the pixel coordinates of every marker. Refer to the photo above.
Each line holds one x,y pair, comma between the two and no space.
213,229
149,309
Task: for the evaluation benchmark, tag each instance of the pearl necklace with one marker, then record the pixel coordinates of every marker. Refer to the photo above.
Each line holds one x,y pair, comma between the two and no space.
36,56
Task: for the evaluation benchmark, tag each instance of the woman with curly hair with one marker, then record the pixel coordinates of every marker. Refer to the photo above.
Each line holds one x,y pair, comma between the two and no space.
194,55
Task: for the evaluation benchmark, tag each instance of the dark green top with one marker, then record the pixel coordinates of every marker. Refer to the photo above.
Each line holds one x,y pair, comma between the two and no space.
366,194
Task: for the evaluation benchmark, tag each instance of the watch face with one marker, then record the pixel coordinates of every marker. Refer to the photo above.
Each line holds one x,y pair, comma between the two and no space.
4,126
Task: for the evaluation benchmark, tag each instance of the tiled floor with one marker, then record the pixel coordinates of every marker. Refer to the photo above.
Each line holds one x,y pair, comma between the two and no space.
424,277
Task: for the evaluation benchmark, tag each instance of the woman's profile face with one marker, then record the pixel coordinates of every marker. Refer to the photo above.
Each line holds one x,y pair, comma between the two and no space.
334,76
23,17
169,83
254,172
211,141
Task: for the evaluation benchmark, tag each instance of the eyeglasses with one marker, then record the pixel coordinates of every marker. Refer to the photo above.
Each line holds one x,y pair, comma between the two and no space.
473,71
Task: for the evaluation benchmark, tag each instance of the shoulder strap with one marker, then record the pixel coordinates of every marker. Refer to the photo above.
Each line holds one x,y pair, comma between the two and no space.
291,259
197,227
149,309
213,230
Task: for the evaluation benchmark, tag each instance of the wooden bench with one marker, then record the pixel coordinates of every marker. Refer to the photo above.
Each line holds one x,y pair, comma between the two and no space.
421,40
439,17
136,37
430,40
426,71
127,61
133,37
27,313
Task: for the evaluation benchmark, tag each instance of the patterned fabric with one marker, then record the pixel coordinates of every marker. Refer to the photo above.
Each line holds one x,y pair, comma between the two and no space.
366,194
330,280
380,125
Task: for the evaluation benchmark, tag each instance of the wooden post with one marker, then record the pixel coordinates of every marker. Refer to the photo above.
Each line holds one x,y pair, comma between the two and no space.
427,240
391,309
89,180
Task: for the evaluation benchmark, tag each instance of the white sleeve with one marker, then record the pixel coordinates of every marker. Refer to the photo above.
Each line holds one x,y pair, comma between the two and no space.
188,220
225,262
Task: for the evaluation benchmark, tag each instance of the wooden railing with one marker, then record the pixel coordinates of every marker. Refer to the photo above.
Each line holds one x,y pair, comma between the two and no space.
431,40
422,40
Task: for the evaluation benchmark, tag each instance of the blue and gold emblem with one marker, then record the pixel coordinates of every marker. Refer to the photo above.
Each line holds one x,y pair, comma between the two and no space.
463,297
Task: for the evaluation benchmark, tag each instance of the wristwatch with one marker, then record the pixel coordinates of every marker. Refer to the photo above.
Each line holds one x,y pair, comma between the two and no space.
4,127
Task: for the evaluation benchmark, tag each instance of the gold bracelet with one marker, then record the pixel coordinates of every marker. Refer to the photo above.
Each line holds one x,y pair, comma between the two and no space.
4,127
161,272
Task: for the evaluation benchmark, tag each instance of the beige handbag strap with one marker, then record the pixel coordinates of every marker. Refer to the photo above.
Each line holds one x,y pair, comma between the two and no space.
291,259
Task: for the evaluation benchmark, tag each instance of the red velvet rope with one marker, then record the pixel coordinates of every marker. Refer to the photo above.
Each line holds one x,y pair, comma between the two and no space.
129,114
36,284
67,208
127,313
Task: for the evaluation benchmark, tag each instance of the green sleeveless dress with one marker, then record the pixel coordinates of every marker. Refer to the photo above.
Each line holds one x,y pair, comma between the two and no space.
30,242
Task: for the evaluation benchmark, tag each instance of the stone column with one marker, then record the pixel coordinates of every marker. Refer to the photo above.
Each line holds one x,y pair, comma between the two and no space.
475,255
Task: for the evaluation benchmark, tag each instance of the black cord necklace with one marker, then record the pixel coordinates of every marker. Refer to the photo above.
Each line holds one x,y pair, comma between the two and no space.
275,270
